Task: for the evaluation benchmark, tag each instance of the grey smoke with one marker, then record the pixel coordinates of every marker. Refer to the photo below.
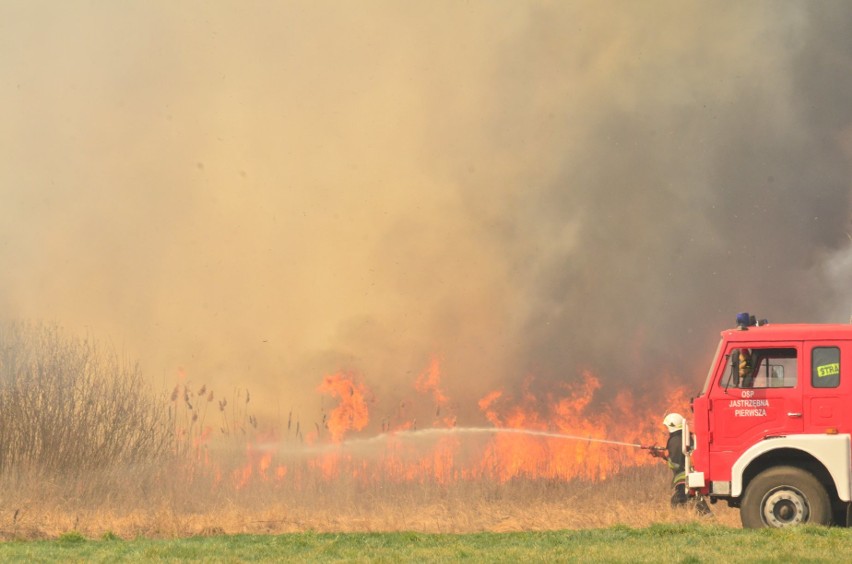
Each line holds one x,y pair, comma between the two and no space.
265,194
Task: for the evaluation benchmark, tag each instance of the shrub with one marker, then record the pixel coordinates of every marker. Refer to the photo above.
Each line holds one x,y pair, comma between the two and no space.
69,406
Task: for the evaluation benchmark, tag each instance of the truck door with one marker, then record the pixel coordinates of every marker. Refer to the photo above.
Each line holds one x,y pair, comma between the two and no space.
826,383
758,394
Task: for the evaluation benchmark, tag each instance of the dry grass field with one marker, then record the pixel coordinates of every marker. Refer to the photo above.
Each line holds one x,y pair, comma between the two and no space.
637,498
85,447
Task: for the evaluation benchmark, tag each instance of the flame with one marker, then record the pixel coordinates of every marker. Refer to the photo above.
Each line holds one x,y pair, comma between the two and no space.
549,435
572,413
351,412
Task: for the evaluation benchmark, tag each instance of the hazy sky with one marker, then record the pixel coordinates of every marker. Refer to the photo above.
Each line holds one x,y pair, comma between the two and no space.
261,193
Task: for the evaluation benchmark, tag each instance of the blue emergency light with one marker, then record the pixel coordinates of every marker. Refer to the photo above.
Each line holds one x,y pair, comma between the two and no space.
744,321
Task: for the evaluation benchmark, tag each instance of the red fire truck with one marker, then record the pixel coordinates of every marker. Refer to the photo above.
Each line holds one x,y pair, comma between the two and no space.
771,427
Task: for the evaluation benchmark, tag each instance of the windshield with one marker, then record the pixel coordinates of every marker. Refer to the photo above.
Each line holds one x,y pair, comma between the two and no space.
762,367
712,367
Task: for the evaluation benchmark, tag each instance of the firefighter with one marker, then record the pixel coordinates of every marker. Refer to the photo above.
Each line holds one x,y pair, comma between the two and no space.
674,457
673,423
746,375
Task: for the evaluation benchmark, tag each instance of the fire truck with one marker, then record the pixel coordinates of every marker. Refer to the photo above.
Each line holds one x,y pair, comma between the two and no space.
770,431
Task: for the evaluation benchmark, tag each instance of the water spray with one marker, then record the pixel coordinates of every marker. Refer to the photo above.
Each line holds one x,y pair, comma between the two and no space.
425,433
422,433
492,431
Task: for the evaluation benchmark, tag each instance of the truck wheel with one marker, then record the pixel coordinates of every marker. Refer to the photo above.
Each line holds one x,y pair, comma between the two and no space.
785,496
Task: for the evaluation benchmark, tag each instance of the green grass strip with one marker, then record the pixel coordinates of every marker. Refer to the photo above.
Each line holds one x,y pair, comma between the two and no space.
659,543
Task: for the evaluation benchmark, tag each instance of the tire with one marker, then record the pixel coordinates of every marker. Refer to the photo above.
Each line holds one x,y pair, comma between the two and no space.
784,496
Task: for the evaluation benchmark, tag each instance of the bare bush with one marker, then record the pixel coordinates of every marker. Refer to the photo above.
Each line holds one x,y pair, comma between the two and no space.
69,406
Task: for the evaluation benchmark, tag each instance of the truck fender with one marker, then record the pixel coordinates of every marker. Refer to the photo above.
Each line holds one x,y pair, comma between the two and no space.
833,451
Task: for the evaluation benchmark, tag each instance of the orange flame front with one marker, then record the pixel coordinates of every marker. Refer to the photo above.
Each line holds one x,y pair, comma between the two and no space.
574,415
560,434
351,412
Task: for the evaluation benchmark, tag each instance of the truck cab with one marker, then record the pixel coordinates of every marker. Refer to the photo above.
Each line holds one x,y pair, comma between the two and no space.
772,424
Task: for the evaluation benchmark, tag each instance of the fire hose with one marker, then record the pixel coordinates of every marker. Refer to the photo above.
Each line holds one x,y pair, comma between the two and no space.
654,450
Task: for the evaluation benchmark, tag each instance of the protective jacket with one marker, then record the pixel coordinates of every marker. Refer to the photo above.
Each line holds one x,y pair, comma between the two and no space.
677,463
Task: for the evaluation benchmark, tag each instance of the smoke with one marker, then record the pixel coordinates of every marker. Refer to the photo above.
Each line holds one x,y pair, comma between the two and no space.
264,194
